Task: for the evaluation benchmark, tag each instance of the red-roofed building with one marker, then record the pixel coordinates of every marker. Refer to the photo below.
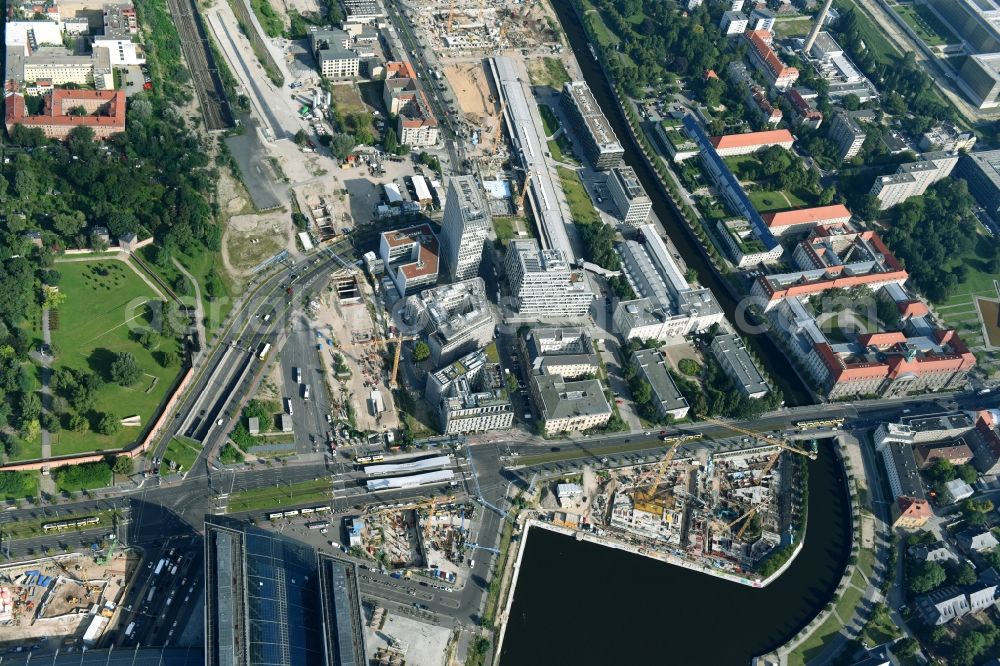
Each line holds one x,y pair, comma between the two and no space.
751,142
831,257
399,70
805,114
765,60
791,221
912,308
911,513
410,257
103,111
985,443
893,364
770,113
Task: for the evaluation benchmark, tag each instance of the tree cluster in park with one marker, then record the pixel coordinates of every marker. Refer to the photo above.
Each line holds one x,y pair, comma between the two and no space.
778,169
662,44
929,233
83,476
599,244
155,178
906,88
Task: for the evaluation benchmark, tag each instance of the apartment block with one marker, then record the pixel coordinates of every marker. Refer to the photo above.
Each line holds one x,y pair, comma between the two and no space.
667,398
410,257
731,353
567,352
762,19
628,195
733,23
847,134
913,179
457,318
570,406
334,58
600,143
543,283
464,228
416,124
470,396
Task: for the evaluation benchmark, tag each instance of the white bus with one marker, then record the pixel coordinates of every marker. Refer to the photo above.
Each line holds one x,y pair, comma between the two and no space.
263,352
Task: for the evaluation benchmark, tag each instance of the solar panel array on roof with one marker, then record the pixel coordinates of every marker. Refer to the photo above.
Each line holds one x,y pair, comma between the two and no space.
120,657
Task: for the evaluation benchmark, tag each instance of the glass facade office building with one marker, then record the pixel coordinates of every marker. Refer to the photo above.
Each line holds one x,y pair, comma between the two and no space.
263,602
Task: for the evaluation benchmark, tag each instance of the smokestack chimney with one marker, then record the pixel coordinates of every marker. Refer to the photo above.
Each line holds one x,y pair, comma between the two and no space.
820,18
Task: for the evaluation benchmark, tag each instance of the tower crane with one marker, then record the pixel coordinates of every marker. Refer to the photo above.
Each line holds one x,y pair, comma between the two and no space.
782,446
430,518
645,497
382,342
767,439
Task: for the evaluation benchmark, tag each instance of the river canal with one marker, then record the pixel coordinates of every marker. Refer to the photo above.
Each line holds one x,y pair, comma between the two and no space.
777,363
581,603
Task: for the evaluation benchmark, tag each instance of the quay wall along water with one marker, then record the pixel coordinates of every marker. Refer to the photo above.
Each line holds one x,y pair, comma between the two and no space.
599,80
580,602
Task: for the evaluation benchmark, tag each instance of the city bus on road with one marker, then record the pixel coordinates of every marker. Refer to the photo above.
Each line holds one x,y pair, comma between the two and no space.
263,351
367,460
317,524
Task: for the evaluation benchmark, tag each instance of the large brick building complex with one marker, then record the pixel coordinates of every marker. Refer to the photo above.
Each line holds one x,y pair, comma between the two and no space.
103,111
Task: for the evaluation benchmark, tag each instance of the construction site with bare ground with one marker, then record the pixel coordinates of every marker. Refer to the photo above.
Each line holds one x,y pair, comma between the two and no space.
726,511
70,598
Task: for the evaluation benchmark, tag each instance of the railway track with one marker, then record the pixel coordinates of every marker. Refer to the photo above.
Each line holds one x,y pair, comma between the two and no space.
208,86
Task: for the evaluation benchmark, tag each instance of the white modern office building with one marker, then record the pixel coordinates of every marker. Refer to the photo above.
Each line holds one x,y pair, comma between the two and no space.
464,228
542,282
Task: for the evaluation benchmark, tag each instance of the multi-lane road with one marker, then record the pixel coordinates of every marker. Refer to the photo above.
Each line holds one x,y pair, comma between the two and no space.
173,513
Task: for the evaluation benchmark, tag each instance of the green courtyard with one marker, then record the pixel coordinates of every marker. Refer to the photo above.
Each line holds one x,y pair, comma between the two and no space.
104,300
927,26
580,205
959,310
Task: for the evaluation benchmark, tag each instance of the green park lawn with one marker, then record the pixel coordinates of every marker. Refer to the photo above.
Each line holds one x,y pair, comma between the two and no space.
927,26
793,27
766,201
548,72
93,325
549,120
201,266
284,495
873,36
580,205
181,451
